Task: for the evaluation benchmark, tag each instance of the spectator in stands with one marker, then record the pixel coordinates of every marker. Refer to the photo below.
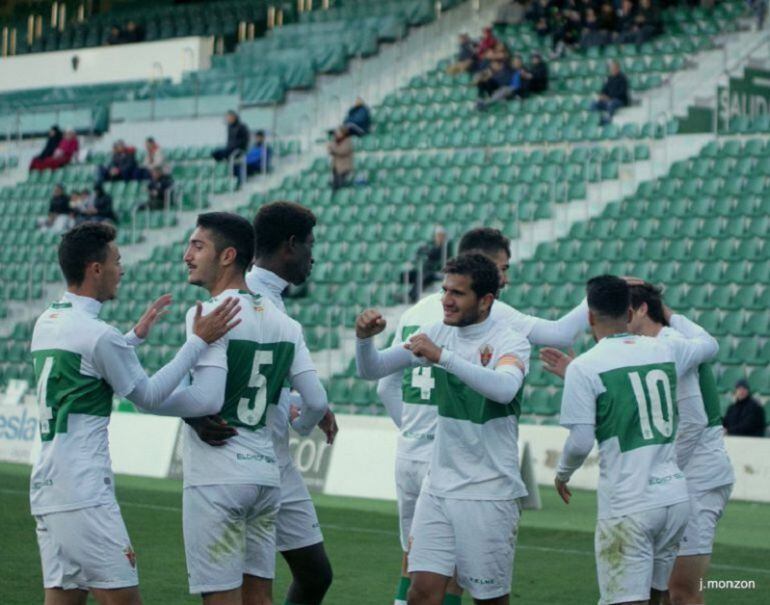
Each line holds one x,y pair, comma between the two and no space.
540,13
607,20
487,42
538,74
517,86
613,95
94,207
51,143
237,139
592,34
160,183
467,57
133,33
430,256
759,8
258,157
648,21
122,166
359,119
497,75
626,22
745,417
59,217
66,149
115,36
566,30
341,152
153,158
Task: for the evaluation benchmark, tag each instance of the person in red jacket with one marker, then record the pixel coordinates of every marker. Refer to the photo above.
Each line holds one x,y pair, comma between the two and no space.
66,149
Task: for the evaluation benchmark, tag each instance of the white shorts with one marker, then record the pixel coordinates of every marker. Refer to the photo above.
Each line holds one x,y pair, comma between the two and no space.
475,537
229,531
636,552
86,548
409,477
297,524
706,508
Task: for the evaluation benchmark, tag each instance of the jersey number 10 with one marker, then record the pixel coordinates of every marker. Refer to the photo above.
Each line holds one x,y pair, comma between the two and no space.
654,382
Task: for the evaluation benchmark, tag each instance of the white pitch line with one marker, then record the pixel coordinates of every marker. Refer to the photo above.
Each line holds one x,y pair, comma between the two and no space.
382,532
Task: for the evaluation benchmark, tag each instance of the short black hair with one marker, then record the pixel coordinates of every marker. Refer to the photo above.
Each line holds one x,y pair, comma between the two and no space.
485,278
486,240
87,243
275,223
608,295
653,296
259,133
230,230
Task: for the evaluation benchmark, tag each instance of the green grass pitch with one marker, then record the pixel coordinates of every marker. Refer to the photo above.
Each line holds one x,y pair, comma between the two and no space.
554,555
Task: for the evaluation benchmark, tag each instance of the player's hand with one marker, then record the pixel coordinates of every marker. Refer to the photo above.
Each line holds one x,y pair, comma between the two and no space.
212,429
561,487
329,426
153,313
370,323
422,346
219,322
556,361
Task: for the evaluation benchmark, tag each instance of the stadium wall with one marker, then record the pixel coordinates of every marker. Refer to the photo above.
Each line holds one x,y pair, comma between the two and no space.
123,63
361,462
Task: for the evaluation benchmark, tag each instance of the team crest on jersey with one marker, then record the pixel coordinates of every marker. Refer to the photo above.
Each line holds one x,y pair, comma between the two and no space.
485,354
130,555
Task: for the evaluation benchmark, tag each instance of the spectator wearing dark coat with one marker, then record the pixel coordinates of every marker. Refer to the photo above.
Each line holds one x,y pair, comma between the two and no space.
51,143
133,33
613,95
745,417
467,59
122,166
159,184
237,139
59,217
497,75
517,85
359,119
95,207
538,74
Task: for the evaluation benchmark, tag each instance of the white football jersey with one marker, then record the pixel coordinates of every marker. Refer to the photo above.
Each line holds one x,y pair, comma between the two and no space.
75,388
626,386
419,416
260,354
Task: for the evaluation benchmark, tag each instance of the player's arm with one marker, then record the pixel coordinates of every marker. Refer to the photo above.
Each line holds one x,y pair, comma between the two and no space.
578,414
692,423
499,384
304,379
697,346
561,332
117,362
389,387
371,363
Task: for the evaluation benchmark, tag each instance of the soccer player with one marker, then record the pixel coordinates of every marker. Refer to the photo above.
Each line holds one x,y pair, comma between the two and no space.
623,392
232,493
467,514
80,364
407,395
284,255
700,448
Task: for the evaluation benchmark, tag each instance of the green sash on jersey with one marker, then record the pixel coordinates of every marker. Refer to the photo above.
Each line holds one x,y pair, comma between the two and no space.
710,393
638,406
256,373
457,400
62,390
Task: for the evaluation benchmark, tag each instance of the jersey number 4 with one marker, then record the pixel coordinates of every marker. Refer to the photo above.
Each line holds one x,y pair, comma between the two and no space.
252,408
422,378
44,410
648,399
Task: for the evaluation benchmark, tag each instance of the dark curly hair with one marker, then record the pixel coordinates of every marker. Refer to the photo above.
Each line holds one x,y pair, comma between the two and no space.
275,223
485,278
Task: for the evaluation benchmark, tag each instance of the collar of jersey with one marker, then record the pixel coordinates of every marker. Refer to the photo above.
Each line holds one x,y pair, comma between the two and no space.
272,281
621,335
475,330
84,303
233,292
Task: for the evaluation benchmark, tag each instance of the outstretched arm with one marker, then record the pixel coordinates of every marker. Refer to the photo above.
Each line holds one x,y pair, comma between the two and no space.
373,364
561,332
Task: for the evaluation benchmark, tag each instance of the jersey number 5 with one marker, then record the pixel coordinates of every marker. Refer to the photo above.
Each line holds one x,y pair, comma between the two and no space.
655,381
251,409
